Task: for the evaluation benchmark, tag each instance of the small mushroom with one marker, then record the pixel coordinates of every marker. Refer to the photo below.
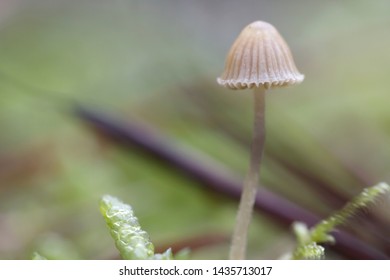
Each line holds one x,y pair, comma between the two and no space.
259,59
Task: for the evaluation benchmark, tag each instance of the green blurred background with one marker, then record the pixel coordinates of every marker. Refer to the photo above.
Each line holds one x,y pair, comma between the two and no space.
156,62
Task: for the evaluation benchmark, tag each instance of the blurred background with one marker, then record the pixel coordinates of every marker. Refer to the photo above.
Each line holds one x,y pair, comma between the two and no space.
150,68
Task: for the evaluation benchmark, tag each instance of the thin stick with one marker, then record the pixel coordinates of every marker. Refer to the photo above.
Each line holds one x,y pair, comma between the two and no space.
244,214
132,135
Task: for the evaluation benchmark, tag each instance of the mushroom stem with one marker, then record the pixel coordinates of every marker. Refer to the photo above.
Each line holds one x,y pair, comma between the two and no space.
244,214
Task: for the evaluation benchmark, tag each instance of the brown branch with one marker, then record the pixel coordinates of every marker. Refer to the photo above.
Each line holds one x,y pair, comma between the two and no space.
214,178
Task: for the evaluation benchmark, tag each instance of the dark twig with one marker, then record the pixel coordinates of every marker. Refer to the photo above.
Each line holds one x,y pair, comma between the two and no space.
281,210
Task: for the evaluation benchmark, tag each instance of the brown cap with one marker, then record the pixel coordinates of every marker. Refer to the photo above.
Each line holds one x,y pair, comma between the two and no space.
259,57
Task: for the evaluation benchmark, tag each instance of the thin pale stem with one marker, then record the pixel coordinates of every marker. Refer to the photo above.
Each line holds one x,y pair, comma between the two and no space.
244,214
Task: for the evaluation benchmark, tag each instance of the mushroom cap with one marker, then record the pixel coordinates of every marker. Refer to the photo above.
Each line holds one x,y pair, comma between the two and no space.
259,57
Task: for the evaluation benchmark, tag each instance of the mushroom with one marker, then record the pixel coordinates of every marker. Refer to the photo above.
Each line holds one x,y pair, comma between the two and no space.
259,59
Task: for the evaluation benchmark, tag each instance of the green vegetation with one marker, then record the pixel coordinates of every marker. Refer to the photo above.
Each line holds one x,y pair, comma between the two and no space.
132,242
155,65
308,248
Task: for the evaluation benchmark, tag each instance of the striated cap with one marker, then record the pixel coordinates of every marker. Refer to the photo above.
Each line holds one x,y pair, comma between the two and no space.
259,57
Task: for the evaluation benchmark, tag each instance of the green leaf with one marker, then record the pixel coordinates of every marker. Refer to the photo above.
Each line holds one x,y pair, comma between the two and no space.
321,231
307,247
132,242
311,251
